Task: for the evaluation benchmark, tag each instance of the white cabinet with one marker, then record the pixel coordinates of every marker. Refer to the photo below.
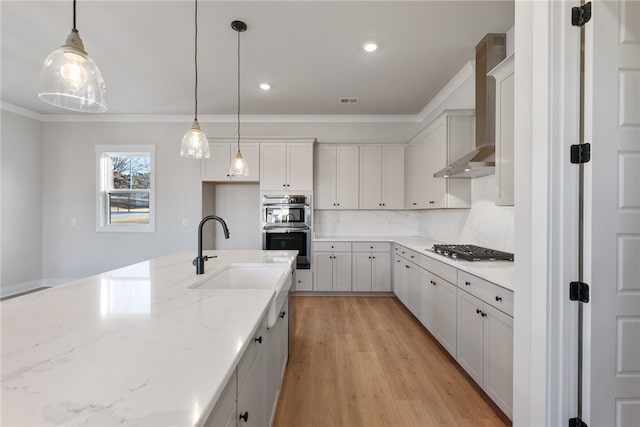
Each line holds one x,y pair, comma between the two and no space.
485,348
438,307
381,177
216,168
286,167
336,177
277,355
332,266
504,75
252,402
371,267
398,289
303,281
224,413
447,138
410,281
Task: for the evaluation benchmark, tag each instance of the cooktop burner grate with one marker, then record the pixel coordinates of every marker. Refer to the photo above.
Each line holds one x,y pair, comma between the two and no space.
472,253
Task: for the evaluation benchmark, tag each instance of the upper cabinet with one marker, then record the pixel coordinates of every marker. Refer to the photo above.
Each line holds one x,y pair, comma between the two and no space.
446,139
286,167
381,177
216,168
336,177
504,75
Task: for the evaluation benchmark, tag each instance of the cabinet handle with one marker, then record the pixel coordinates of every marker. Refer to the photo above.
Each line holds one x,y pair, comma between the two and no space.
414,203
338,204
398,260
259,339
282,314
484,314
371,247
411,256
244,417
403,252
373,257
331,246
433,283
369,257
498,299
478,311
407,266
467,283
284,185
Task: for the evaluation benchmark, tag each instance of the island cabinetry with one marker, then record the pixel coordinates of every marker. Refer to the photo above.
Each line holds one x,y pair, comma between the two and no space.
336,177
381,177
371,267
224,413
332,266
277,356
252,399
286,167
216,168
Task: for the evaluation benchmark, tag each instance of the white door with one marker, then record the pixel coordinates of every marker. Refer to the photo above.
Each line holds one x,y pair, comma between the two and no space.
446,317
273,166
300,167
437,148
612,231
342,272
381,272
393,177
362,271
347,177
427,295
216,167
470,352
397,274
325,195
370,177
251,153
498,358
322,271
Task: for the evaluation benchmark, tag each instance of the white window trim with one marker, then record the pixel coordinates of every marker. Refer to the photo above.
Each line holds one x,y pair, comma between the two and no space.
101,222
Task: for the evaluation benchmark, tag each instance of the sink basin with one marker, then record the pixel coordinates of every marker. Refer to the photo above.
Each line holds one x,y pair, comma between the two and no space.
253,276
245,276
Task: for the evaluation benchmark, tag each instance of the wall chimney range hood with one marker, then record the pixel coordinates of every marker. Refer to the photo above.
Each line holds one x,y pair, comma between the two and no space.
490,51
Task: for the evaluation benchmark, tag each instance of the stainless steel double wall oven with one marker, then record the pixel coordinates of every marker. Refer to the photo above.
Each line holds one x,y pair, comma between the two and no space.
286,225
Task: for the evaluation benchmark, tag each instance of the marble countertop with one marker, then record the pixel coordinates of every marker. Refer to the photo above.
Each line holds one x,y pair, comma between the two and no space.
498,272
133,346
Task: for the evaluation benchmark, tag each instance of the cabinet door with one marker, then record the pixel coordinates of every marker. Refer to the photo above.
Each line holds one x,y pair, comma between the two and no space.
326,163
504,139
322,271
446,319
284,339
427,295
411,280
437,149
397,274
470,335
381,272
252,398
273,368
498,358
342,272
418,176
303,280
216,168
393,177
251,153
273,166
347,177
300,167
362,271
370,177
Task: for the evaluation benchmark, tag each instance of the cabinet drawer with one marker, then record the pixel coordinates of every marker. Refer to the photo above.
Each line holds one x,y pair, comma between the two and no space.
225,406
304,280
259,339
371,247
332,246
445,271
408,254
492,294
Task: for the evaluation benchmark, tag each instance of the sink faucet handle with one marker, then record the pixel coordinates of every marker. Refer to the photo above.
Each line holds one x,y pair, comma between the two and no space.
204,258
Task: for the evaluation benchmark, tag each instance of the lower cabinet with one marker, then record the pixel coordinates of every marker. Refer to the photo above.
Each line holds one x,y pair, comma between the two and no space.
252,401
485,348
277,356
332,271
303,281
371,271
409,277
437,308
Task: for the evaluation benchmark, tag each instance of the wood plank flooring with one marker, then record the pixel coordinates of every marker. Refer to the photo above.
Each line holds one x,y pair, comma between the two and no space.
366,361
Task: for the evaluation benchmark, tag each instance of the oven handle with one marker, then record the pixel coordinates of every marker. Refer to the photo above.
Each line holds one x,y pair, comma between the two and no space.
286,230
285,205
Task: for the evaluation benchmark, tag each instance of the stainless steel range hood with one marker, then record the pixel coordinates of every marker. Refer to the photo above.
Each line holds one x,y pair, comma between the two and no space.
490,51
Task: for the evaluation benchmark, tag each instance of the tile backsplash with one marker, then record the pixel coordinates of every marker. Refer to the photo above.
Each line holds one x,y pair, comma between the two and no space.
365,223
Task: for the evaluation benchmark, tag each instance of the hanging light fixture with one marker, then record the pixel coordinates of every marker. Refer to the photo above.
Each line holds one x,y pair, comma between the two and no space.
70,79
239,164
194,142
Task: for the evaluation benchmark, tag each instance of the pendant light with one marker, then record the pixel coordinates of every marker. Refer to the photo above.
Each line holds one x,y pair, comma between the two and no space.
239,164
194,142
70,79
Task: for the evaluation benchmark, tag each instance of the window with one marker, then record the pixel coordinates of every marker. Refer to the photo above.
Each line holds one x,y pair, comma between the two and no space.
125,188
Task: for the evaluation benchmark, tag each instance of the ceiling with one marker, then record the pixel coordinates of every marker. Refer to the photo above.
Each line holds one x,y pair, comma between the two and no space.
310,52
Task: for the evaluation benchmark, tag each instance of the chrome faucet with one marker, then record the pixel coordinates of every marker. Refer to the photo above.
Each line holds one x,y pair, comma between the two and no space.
199,261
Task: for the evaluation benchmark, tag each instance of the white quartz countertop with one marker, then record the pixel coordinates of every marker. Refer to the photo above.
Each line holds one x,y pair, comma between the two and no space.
498,272
134,346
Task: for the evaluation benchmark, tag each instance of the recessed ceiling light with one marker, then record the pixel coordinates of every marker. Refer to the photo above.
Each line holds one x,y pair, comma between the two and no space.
265,86
370,47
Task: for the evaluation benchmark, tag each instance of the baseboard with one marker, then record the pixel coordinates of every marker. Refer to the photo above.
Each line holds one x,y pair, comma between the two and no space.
32,284
340,294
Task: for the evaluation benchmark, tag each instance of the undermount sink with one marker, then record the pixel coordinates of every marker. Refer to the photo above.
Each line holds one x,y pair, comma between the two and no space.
253,276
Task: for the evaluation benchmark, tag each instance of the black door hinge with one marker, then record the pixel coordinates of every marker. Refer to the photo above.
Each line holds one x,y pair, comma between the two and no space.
580,153
580,15
577,422
579,291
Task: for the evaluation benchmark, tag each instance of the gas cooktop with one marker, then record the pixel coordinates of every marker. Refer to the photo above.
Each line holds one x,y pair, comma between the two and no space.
472,253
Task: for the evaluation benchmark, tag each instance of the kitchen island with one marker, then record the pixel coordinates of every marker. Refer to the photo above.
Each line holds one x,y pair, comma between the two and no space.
140,345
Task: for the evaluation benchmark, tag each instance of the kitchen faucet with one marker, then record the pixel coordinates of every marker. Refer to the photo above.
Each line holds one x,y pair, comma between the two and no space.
199,261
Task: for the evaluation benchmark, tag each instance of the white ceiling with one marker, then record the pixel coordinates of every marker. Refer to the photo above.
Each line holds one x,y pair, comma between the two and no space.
310,52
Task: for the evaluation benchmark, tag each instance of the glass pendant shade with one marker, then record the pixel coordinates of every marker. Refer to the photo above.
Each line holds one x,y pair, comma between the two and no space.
70,79
195,144
239,166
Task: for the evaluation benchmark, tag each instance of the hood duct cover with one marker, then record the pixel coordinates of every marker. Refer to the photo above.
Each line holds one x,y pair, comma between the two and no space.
490,51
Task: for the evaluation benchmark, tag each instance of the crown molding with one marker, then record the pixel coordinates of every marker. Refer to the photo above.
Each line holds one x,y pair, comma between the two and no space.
7,106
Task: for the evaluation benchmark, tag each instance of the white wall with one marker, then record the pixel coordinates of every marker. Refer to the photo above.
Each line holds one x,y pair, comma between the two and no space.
365,223
485,224
21,194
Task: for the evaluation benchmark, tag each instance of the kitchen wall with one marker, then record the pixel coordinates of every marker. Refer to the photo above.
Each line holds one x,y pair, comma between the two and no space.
485,224
21,203
365,223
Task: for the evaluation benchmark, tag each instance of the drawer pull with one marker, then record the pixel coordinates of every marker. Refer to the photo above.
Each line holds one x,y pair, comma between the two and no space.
478,311
433,283
245,416
259,339
484,314
498,299
407,266
467,283
282,314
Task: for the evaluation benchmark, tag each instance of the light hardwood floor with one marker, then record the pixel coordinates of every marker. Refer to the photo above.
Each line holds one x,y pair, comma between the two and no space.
366,361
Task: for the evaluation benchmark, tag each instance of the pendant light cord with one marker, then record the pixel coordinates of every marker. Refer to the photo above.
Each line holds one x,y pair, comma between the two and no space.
196,61
238,91
74,16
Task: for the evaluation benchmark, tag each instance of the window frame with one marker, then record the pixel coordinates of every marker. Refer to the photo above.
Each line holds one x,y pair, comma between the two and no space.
102,190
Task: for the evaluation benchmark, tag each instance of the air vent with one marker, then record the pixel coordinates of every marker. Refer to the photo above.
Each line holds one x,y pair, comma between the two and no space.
349,100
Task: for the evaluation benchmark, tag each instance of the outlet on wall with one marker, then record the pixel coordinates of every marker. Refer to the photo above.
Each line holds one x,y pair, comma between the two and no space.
185,222
72,221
